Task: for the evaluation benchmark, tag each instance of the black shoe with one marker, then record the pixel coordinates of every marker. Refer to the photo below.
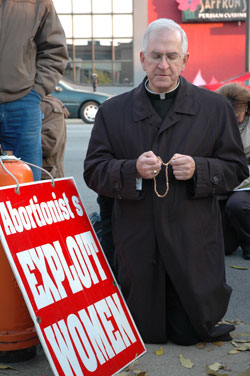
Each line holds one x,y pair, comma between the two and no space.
246,254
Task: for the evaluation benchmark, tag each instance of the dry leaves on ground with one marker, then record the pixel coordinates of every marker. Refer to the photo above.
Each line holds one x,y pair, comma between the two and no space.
201,345
159,352
218,343
131,371
214,370
3,366
234,322
185,362
239,267
240,345
215,366
211,372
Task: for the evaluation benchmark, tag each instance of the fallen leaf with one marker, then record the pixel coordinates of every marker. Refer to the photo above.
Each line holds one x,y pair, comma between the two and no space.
216,366
218,343
211,372
134,372
160,351
201,345
241,346
131,366
137,371
239,267
6,367
232,352
185,362
234,322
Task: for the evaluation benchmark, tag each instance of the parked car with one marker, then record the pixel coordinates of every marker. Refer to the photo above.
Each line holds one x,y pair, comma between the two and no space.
82,104
243,79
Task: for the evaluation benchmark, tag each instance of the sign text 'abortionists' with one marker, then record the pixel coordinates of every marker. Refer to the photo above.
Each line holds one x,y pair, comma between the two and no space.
38,214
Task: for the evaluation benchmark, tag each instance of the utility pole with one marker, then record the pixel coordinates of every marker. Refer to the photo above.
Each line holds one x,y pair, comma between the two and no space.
248,38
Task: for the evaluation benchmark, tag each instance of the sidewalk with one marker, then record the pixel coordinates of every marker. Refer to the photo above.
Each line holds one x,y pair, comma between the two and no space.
167,364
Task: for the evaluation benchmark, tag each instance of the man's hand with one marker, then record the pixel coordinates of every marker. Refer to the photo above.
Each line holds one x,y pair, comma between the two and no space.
183,166
148,165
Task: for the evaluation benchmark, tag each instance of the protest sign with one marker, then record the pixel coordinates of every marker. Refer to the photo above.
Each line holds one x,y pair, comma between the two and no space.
80,316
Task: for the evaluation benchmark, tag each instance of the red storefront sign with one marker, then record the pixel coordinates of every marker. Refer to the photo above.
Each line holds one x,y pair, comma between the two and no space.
80,316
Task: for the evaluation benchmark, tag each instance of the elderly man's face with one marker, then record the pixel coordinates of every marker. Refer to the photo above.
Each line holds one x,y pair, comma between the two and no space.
163,60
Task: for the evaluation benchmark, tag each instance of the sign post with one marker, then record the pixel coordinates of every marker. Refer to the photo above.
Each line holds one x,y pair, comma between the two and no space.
80,316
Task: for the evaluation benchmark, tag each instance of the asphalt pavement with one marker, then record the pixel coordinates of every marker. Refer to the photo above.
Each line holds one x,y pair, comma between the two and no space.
169,359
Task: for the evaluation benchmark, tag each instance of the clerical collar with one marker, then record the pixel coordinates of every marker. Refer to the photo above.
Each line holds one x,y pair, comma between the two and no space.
161,95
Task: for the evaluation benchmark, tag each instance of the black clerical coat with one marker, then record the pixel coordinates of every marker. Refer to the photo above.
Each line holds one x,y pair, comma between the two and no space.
179,234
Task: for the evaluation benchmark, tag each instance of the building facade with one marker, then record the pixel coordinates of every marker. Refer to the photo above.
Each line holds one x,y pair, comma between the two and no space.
105,37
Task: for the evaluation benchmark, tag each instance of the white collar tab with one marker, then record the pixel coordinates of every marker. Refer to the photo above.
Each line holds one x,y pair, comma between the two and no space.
161,95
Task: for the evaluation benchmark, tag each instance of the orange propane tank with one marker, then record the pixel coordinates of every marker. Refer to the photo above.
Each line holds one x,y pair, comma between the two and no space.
19,169
17,330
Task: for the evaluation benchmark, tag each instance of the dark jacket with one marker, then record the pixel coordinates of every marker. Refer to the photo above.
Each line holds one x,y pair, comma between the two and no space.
33,48
245,137
53,136
180,234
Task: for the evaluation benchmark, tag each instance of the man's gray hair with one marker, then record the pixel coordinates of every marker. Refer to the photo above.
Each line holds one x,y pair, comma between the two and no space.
165,24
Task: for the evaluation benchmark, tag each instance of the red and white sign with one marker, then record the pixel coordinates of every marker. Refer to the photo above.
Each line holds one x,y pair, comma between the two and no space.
80,316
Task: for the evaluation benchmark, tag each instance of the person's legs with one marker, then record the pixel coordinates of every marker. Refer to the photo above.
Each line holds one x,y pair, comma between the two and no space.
179,326
106,207
20,129
238,212
231,242
180,329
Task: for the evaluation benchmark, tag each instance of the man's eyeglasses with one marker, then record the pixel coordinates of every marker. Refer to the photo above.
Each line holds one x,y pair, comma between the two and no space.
156,58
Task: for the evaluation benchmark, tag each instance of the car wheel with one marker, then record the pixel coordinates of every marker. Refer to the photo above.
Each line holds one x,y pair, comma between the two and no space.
88,112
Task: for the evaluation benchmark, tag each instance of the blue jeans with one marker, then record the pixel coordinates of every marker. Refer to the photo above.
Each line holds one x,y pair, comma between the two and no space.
20,129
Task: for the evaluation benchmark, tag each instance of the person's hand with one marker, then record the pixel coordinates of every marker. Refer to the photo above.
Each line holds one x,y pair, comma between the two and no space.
183,166
148,165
